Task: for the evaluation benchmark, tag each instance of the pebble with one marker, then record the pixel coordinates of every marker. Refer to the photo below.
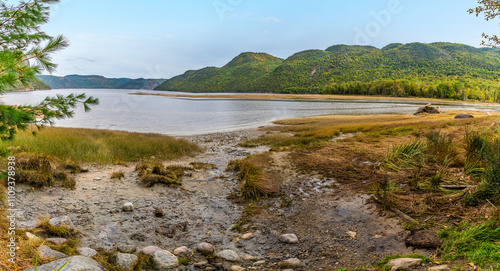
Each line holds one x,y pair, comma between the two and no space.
205,248
181,250
249,257
159,212
229,255
236,268
126,262
289,238
87,252
47,254
291,263
150,250
128,207
261,262
247,236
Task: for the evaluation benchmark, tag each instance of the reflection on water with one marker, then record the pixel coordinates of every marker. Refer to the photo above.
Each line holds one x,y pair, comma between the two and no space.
118,110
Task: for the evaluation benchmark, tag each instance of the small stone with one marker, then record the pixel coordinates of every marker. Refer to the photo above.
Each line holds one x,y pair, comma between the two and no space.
205,248
57,241
159,212
352,234
404,263
289,238
63,222
31,236
47,254
87,252
236,268
200,264
464,116
150,250
444,267
258,263
126,262
97,179
229,255
291,263
94,188
247,236
165,260
128,207
249,257
181,250
130,249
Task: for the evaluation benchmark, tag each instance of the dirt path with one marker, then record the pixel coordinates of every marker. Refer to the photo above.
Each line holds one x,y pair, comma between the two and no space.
319,212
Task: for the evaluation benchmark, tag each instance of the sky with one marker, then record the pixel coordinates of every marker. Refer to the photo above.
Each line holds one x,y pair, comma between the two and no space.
164,38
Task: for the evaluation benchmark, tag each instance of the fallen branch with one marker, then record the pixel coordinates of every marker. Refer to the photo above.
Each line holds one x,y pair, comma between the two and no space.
397,211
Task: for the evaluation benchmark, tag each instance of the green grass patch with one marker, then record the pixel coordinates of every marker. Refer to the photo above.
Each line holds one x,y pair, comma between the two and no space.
101,146
477,243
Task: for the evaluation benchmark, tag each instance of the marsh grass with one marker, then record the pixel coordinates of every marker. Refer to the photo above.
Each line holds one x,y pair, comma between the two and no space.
38,170
405,156
117,175
101,146
477,243
155,173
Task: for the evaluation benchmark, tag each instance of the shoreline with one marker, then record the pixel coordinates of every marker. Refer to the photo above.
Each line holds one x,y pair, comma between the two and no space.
276,96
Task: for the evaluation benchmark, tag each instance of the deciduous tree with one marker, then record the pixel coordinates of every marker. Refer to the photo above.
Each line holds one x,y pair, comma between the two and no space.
491,10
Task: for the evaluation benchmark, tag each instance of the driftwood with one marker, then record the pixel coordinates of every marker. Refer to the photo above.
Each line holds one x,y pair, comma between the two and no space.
456,187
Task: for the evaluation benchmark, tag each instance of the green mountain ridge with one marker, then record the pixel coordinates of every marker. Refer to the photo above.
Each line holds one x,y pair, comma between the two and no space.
437,70
97,81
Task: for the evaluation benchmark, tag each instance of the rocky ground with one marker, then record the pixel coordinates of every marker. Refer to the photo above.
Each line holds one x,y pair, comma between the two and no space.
336,227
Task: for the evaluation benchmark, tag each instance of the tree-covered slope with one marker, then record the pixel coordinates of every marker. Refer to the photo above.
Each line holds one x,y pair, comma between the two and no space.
96,81
33,84
240,74
442,70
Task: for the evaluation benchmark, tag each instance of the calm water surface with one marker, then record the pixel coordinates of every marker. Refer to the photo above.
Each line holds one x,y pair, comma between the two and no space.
118,110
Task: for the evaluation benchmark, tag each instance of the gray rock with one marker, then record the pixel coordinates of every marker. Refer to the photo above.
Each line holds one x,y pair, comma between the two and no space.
165,260
62,221
150,250
248,257
31,236
128,207
181,250
87,252
444,267
404,263
57,241
236,268
289,238
428,109
75,263
229,255
127,248
205,248
464,116
47,254
291,263
126,262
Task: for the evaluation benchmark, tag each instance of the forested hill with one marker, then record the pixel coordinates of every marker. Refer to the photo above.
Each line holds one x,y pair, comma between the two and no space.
33,84
242,74
439,70
96,81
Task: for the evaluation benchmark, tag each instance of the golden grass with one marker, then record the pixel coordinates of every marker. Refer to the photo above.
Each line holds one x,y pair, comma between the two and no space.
102,146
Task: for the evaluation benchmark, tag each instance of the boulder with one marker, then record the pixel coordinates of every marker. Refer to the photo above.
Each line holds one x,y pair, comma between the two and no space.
205,248
404,263
464,116
87,252
126,262
428,109
62,221
291,263
47,254
57,241
75,263
289,238
229,255
150,250
165,260
128,207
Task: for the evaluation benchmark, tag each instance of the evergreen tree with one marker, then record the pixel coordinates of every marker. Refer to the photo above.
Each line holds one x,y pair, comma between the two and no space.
25,51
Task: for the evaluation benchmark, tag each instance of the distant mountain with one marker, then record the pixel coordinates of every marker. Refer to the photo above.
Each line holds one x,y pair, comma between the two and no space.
440,70
96,81
241,74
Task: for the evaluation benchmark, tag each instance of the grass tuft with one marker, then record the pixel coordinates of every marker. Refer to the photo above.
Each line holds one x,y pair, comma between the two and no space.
153,173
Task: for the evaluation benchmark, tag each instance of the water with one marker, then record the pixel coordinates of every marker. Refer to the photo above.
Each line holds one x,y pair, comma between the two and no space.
118,110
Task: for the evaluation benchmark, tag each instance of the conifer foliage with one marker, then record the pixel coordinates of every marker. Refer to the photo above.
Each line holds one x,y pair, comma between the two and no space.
25,51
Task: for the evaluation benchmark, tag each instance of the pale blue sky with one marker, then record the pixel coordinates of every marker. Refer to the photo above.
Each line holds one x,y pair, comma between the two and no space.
164,38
